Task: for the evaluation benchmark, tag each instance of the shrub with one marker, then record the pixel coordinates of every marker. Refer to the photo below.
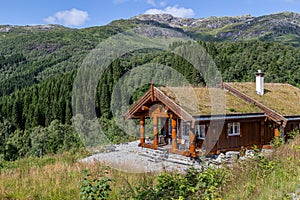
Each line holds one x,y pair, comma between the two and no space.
277,142
95,188
194,184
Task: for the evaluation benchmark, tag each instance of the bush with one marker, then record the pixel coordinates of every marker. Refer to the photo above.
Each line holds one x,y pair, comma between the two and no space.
194,184
95,188
277,142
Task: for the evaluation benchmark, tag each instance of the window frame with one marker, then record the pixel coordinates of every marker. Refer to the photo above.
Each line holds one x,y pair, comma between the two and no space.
199,128
234,126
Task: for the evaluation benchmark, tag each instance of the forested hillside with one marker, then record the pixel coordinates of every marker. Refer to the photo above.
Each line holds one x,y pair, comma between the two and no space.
38,66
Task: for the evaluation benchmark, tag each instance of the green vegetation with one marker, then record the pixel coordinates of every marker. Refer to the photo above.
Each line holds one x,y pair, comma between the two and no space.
95,188
267,177
61,176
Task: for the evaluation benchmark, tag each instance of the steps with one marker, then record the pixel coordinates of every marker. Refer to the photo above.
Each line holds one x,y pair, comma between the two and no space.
163,155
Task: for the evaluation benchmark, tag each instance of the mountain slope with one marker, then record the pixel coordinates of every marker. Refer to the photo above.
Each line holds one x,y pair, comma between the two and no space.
282,27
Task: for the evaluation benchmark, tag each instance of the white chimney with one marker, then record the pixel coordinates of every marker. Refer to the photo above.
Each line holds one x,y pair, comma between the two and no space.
260,82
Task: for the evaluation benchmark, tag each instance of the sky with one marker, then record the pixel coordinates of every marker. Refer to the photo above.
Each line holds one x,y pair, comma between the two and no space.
87,13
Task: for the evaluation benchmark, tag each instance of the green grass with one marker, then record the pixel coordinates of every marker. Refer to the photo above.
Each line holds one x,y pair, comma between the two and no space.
272,177
61,176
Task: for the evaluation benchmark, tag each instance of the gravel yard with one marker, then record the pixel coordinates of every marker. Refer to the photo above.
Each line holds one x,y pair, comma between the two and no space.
129,157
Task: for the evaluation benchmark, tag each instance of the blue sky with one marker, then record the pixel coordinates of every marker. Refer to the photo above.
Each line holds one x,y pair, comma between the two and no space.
86,13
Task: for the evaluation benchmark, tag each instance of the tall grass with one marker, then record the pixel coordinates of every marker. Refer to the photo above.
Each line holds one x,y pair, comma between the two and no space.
50,177
60,177
268,177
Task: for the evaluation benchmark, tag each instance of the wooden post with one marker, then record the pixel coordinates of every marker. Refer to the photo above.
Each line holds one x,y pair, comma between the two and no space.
276,132
142,130
192,140
155,132
174,134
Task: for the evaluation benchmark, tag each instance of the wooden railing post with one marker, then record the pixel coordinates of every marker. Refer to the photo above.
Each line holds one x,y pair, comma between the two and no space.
174,134
155,132
142,130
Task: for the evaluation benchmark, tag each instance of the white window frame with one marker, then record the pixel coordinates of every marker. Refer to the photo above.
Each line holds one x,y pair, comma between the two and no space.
234,129
200,131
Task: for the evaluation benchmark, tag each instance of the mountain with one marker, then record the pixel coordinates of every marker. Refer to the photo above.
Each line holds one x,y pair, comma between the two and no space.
283,27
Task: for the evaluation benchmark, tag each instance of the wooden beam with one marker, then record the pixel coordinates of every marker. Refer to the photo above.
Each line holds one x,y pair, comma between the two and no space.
142,130
174,134
155,132
152,92
145,108
146,145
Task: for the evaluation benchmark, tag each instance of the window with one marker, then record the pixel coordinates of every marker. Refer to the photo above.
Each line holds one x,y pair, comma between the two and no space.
200,132
185,131
170,126
234,129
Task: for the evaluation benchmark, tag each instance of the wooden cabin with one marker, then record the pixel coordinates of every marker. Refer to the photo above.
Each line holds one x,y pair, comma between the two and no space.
194,128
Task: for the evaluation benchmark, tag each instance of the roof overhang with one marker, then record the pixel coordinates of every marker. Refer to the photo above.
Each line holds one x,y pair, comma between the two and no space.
292,118
229,117
155,95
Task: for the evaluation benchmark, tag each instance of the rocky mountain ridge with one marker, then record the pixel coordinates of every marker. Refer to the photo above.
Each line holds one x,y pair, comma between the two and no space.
280,27
283,27
185,23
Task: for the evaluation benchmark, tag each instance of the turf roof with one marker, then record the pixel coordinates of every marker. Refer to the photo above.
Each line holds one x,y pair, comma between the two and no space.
282,98
208,101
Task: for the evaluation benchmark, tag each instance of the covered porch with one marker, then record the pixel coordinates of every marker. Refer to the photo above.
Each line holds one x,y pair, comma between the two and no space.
171,127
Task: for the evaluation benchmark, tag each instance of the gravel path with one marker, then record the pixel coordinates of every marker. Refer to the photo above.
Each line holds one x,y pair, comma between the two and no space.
131,158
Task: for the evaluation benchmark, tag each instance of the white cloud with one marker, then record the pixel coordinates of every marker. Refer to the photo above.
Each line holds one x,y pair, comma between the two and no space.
118,1
173,10
151,2
156,4
71,17
162,3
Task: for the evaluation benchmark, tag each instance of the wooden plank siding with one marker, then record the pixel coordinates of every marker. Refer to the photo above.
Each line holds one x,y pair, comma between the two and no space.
269,131
250,135
295,125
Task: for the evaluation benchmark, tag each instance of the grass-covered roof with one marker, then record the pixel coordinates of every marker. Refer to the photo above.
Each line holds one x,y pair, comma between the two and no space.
208,101
282,98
